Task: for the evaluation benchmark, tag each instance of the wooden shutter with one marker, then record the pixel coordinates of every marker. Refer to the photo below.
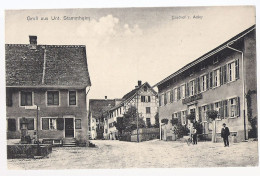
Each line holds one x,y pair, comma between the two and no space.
198,82
149,99
187,90
160,103
45,123
221,75
9,97
23,97
221,109
238,106
178,93
207,81
30,123
60,123
179,116
195,86
11,125
56,98
237,68
200,116
210,79
224,74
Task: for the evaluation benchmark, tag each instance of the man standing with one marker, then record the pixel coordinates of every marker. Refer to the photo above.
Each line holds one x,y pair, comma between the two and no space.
224,134
195,136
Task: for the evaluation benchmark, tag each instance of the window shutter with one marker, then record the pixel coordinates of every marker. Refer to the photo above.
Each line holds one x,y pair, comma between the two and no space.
237,68
207,81
178,93
30,123
221,109
198,82
200,117
221,75
186,113
195,86
60,123
224,74
45,123
187,90
11,125
160,100
9,98
56,98
227,110
238,106
23,99
179,116
210,79
149,99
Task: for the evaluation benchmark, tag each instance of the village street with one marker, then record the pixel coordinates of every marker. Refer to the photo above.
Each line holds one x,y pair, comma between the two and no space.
152,154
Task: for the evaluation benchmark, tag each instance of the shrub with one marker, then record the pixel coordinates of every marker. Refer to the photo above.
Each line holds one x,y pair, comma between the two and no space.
174,121
212,114
191,117
181,130
165,121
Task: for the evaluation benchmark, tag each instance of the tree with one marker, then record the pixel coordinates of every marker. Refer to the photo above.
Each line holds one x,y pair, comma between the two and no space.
157,124
165,121
212,114
128,122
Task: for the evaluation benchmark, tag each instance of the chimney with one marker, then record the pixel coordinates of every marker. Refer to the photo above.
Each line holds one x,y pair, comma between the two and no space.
105,97
33,41
139,83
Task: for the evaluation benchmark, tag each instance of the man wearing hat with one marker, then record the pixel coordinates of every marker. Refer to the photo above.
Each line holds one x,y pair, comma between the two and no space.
224,134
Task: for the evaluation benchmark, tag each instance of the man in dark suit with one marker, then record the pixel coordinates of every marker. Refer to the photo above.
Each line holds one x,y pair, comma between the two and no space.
224,134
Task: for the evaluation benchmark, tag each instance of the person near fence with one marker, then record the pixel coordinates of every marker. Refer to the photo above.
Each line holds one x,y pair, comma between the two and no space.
224,134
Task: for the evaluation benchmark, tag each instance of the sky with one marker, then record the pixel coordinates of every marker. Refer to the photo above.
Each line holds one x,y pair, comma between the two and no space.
125,45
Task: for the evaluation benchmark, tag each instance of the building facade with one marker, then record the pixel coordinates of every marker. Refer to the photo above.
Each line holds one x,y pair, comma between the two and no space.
218,80
143,98
48,85
97,110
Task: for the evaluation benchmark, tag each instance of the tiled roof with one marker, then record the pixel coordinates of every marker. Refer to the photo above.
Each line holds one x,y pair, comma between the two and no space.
208,54
47,65
98,106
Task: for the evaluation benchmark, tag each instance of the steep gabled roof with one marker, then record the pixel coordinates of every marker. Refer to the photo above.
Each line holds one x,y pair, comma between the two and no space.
98,106
47,65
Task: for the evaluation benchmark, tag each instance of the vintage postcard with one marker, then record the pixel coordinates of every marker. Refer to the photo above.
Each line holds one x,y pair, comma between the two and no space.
117,88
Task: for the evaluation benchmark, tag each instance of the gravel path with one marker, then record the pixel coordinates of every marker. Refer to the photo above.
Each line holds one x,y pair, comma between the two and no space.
150,154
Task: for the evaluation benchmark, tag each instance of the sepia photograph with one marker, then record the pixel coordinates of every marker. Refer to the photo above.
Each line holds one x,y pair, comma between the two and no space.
131,87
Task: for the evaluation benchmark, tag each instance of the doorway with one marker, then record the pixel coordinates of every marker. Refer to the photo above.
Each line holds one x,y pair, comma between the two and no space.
69,127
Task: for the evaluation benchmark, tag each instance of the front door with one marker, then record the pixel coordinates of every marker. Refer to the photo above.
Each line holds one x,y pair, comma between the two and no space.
69,127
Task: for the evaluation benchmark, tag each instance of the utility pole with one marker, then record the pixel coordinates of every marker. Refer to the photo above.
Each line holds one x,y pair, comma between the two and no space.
137,116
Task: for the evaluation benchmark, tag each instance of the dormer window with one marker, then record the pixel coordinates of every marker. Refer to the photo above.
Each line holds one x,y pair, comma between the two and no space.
145,88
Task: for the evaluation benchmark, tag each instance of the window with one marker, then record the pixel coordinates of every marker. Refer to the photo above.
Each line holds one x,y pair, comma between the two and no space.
11,125
148,122
168,94
145,88
204,113
26,98
148,110
183,91
225,106
160,101
203,83
233,71
148,99
192,88
234,107
77,123
202,65
178,93
53,97
175,94
72,98
217,78
30,123
171,96
175,115
217,107
49,124
142,98
183,118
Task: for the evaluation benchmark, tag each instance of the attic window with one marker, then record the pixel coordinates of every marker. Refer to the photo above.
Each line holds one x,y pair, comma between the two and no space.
145,88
